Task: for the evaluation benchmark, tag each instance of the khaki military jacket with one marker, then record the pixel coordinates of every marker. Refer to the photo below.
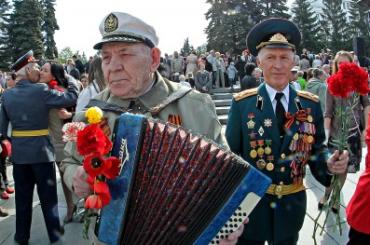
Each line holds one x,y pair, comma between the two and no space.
195,110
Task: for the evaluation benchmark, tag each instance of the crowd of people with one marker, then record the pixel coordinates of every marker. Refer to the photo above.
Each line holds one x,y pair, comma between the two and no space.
130,74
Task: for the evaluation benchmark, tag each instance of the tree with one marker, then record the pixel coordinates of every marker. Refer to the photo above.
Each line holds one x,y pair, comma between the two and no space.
65,54
358,23
49,27
229,23
5,52
186,48
309,25
336,26
25,28
275,8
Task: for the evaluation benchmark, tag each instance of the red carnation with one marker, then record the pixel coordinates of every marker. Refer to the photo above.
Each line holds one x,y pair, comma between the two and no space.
350,78
53,84
92,139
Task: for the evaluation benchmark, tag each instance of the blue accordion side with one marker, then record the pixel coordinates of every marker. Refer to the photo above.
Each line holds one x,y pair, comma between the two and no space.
112,216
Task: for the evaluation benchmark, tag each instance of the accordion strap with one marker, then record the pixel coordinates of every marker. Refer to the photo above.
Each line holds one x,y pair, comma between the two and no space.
172,98
105,106
154,110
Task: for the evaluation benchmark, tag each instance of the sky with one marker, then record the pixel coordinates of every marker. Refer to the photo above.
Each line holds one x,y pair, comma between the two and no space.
173,20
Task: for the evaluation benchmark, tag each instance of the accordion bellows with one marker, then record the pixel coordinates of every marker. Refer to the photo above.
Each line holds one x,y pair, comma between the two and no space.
175,187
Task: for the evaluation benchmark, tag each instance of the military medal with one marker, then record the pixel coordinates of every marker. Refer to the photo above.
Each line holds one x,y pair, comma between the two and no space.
253,152
309,118
268,150
267,122
296,136
270,166
260,150
310,139
251,123
252,135
261,131
261,164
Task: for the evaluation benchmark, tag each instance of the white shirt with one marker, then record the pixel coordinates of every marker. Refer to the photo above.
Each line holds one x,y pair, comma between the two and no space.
284,100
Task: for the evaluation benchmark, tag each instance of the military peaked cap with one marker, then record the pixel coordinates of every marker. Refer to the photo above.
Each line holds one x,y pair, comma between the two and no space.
122,27
22,61
273,33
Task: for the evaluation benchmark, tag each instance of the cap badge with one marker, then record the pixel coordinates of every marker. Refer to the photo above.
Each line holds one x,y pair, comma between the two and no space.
278,37
111,23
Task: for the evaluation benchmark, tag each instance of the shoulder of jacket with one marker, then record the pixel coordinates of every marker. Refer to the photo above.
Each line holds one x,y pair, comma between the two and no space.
308,95
245,94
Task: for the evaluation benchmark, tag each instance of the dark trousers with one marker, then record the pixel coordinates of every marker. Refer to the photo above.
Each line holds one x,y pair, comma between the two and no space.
25,178
358,238
289,241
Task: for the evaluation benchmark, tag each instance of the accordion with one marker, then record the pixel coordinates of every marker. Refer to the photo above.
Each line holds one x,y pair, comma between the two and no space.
175,187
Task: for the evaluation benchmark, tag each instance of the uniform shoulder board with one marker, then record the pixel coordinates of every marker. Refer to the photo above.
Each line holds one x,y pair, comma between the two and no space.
308,95
245,94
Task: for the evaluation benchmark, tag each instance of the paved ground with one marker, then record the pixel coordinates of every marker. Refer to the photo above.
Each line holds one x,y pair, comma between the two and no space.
73,231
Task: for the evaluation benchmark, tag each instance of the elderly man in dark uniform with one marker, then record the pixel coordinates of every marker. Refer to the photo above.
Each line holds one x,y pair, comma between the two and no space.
279,130
26,107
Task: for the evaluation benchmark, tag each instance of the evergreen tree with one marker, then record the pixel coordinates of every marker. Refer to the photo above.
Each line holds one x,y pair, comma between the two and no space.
49,27
275,8
25,28
309,25
5,53
358,23
186,48
229,23
336,26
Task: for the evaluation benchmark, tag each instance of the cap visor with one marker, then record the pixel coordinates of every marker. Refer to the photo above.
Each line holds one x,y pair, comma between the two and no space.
99,45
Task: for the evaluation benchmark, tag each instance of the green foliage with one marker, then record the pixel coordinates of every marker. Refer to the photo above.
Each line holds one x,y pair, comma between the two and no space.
359,26
49,27
275,8
65,54
229,23
25,28
5,52
186,48
309,24
336,26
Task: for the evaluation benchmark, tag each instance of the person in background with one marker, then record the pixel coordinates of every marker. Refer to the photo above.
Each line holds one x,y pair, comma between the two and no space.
317,86
300,79
294,78
257,74
333,126
183,81
232,73
96,84
84,80
53,75
202,79
248,80
32,151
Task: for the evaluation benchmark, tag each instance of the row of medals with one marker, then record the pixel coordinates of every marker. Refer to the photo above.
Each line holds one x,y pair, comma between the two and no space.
302,142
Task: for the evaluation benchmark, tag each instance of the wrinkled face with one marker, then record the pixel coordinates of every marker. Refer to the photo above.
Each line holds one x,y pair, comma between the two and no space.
45,73
276,64
33,72
129,67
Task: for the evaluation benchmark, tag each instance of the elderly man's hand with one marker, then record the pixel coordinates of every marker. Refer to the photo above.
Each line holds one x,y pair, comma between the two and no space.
80,186
337,163
232,239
